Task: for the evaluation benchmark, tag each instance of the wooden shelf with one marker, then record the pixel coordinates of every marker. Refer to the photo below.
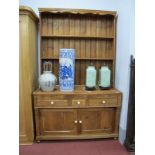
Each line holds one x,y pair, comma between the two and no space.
108,59
78,89
76,36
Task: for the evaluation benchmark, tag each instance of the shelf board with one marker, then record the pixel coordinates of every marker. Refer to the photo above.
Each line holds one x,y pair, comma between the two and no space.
53,58
76,36
78,89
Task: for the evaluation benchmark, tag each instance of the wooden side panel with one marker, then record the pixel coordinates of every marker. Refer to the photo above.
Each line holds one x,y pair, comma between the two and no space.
27,76
22,120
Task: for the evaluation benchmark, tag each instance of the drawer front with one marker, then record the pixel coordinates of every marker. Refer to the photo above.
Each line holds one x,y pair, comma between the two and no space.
50,97
78,103
103,102
52,103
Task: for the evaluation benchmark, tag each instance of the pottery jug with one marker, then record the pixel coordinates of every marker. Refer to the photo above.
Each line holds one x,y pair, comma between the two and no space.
47,80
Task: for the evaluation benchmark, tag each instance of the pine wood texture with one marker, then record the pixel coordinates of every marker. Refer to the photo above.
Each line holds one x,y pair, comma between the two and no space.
79,114
90,32
27,72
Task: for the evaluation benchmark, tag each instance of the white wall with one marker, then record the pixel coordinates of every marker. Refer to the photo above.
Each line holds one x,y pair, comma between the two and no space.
125,47
125,38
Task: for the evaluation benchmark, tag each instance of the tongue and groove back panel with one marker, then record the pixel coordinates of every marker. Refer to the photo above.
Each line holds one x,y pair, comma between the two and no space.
91,33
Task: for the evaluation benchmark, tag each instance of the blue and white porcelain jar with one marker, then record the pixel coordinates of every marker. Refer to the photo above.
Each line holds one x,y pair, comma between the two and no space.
66,69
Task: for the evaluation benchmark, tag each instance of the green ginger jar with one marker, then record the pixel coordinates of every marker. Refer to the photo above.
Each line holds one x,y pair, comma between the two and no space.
90,78
104,77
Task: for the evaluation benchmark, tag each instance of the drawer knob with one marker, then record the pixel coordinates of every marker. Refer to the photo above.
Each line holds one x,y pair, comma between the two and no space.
78,102
75,121
103,102
80,122
52,102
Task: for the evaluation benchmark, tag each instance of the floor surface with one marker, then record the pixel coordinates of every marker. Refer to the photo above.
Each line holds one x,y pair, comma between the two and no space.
85,147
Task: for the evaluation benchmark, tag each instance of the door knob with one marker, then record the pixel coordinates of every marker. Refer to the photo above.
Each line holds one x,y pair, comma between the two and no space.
103,102
80,122
78,102
52,102
75,121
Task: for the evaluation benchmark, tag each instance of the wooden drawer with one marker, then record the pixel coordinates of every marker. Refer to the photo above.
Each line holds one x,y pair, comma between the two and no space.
78,103
52,103
50,97
103,102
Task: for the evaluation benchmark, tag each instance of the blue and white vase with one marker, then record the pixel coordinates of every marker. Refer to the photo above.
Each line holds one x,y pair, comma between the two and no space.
66,69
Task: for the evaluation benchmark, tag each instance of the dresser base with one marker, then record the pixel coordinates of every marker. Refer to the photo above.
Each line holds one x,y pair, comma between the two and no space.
77,115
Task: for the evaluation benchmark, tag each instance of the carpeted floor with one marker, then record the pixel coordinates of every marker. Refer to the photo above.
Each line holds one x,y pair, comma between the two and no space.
86,147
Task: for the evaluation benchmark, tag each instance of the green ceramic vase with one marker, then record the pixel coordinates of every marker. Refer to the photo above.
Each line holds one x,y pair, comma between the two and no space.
90,78
104,77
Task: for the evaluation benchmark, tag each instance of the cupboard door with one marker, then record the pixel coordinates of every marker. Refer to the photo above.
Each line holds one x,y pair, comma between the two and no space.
57,122
96,120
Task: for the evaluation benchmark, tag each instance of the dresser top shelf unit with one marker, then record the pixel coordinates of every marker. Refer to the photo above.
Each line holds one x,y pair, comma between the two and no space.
90,32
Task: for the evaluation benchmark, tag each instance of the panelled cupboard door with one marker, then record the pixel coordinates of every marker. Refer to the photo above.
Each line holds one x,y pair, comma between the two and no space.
57,122
96,120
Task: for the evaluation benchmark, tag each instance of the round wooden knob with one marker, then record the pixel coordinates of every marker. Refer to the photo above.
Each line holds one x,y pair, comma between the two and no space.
78,102
80,122
75,121
52,102
103,102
